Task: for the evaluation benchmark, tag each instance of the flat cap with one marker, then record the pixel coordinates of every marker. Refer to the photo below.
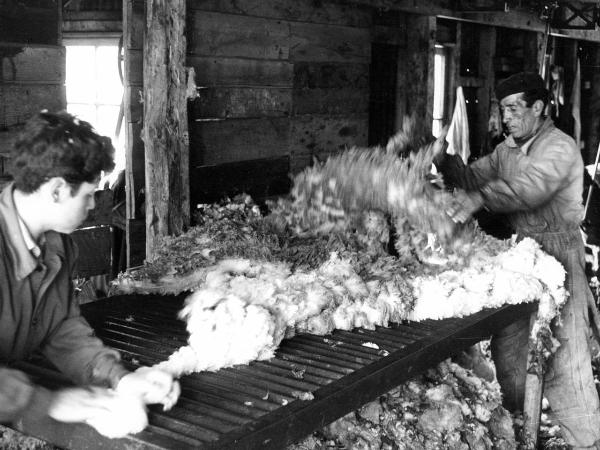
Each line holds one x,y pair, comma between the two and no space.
520,82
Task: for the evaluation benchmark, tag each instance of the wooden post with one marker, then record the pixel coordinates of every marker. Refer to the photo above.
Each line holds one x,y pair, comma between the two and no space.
532,406
165,122
419,68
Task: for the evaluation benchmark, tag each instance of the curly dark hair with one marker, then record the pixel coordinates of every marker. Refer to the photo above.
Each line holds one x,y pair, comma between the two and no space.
59,145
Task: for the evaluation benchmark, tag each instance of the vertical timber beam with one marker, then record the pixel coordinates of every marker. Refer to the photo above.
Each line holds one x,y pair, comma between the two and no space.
487,52
133,38
165,122
419,68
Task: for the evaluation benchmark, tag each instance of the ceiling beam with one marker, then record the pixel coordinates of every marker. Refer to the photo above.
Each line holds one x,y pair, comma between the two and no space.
523,19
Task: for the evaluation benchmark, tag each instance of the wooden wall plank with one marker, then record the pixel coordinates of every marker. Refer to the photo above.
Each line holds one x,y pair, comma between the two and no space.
328,43
30,25
332,13
259,178
32,64
230,140
331,101
309,74
319,136
220,71
239,102
215,34
19,102
7,140
92,26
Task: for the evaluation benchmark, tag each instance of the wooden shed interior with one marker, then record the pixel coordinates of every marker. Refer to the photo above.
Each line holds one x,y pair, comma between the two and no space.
234,95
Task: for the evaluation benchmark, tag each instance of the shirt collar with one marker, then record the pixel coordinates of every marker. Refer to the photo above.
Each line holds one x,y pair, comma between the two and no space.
524,148
29,242
23,260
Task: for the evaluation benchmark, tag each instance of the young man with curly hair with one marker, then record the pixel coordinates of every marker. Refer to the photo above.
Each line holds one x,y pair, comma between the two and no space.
56,166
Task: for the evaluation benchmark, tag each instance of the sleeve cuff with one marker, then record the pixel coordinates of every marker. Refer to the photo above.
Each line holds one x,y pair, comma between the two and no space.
37,407
108,370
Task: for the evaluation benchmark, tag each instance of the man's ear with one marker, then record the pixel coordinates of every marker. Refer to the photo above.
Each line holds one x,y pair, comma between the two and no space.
56,189
538,108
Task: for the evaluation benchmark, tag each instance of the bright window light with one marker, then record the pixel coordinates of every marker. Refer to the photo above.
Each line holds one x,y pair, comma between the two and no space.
439,89
94,91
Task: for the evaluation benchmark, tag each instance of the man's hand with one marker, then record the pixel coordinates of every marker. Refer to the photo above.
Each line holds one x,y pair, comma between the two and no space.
152,386
464,205
112,414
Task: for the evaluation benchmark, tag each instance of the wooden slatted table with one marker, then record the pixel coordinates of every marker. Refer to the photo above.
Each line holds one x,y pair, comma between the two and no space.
256,406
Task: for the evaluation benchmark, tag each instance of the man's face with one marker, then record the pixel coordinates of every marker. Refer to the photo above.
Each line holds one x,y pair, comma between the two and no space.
520,119
74,207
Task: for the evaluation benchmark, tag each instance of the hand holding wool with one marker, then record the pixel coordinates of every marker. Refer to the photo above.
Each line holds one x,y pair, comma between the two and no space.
111,414
464,205
151,385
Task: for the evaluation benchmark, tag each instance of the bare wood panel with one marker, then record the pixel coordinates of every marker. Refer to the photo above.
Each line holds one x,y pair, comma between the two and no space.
7,140
487,51
32,64
92,26
322,135
294,10
136,242
215,34
331,101
531,52
211,71
239,140
134,102
30,25
133,16
259,178
389,35
237,102
314,42
94,245
134,65
135,158
419,68
331,75
19,102
96,15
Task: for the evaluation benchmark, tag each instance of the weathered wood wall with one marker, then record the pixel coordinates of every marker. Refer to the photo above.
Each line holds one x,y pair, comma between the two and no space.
32,67
278,78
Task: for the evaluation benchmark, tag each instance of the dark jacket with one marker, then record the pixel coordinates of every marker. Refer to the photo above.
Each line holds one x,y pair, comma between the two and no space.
38,312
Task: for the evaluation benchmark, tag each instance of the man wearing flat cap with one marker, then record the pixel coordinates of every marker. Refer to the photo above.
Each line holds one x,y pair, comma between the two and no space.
535,177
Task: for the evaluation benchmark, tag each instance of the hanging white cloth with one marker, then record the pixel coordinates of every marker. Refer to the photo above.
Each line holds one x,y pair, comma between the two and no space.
458,131
575,105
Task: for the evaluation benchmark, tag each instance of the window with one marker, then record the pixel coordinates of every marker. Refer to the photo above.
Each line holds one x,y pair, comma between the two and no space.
439,90
94,88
